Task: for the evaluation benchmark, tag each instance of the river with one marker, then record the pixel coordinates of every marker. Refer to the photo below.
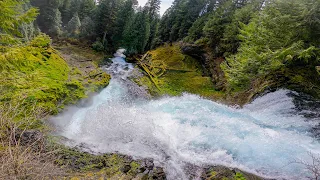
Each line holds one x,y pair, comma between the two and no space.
264,137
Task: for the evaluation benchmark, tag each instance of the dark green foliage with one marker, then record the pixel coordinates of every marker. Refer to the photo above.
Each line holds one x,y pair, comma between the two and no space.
97,46
49,20
86,8
136,33
123,18
153,7
66,13
272,40
74,25
196,30
177,20
87,29
105,21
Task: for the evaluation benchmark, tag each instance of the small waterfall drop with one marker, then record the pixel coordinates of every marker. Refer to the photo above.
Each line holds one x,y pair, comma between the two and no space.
263,137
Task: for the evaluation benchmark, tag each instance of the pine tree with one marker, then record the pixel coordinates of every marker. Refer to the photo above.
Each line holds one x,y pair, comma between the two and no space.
272,40
86,8
123,18
66,13
49,20
74,25
136,33
105,21
178,19
87,30
153,8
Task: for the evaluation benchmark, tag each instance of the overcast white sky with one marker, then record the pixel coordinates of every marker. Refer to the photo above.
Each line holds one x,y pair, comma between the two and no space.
165,4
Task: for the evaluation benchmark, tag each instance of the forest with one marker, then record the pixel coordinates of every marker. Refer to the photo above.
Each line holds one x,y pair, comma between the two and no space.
241,49
256,38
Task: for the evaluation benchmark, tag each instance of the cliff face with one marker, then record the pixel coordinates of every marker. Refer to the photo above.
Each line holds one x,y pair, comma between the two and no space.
210,65
295,76
169,71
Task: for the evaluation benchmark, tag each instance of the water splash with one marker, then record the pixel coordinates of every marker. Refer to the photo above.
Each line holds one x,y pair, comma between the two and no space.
264,137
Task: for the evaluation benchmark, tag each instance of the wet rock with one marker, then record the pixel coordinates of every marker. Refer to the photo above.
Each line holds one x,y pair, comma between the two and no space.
210,64
198,53
125,168
217,172
30,137
222,172
158,173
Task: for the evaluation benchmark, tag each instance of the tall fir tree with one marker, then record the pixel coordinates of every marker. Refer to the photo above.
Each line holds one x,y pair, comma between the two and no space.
86,8
153,8
105,22
137,32
49,20
123,17
74,25
66,13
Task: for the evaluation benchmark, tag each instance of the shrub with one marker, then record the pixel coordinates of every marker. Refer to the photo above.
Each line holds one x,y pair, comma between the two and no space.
97,46
42,40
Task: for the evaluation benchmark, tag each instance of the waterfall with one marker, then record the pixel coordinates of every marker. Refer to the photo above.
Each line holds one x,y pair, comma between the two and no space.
264,137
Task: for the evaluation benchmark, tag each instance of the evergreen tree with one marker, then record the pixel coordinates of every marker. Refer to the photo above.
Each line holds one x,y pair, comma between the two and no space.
86,8
49,20
13,16
272,40
123,18
75,6
87,30
66,13
105,21
136,33
153,8
74,25
178,19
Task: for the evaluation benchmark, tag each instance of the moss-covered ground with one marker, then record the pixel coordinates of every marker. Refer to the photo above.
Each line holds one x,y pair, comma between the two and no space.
38,73
37,80
183,74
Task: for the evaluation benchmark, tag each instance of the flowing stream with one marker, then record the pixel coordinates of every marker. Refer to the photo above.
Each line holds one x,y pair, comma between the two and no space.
264,137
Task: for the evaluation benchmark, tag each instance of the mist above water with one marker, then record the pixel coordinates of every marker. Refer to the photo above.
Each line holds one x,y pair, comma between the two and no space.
263,137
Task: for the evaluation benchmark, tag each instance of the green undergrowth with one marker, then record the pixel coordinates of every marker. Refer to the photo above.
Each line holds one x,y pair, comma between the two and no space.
224,173
36,73
187,75
81,161
296,77
105,166
85,64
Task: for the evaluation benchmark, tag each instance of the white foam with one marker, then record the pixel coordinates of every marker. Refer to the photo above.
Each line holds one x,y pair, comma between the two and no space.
264,137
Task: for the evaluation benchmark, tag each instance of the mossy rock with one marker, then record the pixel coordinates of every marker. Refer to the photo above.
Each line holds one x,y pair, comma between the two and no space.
37,74
107,166
183,74
225,173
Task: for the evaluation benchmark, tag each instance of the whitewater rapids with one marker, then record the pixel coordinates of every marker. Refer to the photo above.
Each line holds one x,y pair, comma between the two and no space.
264,137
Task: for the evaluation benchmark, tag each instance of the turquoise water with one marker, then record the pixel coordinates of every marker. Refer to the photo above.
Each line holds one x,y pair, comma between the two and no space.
264,137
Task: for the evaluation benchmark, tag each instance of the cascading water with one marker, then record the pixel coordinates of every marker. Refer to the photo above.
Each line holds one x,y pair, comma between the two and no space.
263,137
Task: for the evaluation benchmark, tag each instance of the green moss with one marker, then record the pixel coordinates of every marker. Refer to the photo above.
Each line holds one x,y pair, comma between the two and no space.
42,40
38,74
110,164
212,174
239,176
183,74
